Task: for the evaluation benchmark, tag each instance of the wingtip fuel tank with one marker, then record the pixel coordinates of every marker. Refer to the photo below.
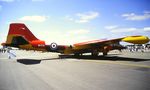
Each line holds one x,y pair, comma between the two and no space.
136,39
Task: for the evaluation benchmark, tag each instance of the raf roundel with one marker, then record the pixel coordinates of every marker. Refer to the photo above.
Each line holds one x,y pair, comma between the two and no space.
53,46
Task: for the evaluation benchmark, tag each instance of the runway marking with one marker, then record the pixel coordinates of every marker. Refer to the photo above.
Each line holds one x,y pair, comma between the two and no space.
119,63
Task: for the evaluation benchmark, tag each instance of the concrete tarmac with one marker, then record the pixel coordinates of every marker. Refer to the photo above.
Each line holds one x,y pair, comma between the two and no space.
45,71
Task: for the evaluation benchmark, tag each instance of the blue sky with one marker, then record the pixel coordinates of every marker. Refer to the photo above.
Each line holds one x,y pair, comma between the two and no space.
72,21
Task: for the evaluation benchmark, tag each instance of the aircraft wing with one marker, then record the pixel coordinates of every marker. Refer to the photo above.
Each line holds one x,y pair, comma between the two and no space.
99,42
130,39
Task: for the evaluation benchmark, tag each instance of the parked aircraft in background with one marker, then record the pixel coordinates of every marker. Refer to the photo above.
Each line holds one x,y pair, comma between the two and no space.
21,37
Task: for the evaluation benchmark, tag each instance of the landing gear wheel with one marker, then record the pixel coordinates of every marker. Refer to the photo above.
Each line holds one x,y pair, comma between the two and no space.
95,53
104,53
76,54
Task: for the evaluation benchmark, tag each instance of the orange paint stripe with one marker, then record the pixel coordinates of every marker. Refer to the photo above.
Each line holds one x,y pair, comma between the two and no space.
88,42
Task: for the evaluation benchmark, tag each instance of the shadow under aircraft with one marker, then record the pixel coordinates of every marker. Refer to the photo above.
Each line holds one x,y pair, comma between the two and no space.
84,57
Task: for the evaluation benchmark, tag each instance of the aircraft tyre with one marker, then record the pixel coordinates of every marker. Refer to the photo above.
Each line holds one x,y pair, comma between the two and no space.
105,53
77,54
95,53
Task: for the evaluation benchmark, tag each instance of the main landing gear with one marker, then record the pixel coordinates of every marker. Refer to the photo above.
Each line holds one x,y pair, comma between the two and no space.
95,53
105,53
77,54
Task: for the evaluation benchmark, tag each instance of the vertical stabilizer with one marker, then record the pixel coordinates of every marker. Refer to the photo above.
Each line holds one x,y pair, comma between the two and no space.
21,30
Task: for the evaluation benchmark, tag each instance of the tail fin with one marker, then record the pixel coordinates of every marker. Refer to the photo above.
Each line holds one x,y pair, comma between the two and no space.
19,34
21,29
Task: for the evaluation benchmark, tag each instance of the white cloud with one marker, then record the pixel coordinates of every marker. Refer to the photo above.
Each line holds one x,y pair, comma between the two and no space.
34,18
86,17
7,0
74,36
68,17
146,29
148,12
134,17
67,37
119,30
111,27
83,17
